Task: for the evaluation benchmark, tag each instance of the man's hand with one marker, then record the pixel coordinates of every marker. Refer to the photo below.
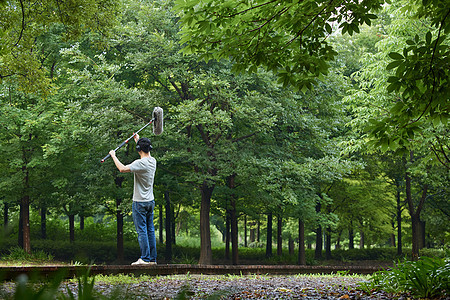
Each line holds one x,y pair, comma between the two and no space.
122,168
136,138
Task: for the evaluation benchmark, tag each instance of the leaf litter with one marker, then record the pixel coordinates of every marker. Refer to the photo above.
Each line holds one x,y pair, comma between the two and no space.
239,287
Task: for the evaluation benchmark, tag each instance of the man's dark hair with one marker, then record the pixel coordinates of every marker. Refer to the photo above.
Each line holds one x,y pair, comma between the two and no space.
144,144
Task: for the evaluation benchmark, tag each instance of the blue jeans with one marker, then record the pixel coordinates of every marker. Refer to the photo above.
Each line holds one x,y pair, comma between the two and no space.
143,222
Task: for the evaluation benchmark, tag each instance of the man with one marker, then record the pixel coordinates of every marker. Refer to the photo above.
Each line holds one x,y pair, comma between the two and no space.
143,199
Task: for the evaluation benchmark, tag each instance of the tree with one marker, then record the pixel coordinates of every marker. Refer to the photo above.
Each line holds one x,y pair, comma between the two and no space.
419,80
384,115
25,23
289,38
215,115
26,123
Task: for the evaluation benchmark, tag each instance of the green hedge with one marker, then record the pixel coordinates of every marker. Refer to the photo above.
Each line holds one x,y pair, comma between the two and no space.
364,254
101,252
88,252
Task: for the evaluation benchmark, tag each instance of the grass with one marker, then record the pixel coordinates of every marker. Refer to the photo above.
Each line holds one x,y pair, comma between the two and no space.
124,279
425,278
18,257
407,278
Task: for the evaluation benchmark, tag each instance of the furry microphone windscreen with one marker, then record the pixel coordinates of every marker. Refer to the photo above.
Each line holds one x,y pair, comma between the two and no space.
157,115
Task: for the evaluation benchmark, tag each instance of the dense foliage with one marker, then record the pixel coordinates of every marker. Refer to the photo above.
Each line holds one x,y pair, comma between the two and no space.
328,153
426,278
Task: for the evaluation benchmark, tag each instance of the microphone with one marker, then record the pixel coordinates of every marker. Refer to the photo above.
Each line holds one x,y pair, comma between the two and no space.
157,116
157,121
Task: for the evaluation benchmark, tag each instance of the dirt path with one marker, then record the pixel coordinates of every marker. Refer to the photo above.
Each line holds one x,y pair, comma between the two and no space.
240,287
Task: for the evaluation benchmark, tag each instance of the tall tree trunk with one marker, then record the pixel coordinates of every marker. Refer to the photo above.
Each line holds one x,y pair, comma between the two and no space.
25,212
338,240
5,214
205,227
399,222
227,234
269,235
168,254
319,236
258,231
234,234
414,213
82,222
301,243
173,223
361,239
119,219
43,222
72,228
20,233
291,245
252,232
351,237
26,223
161,224
279,235
422,235
234,221
415,236
328,243
119,222
25,201
319,243
245,231
392,240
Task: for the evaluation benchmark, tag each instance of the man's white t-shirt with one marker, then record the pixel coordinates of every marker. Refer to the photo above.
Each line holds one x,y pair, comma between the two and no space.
144,174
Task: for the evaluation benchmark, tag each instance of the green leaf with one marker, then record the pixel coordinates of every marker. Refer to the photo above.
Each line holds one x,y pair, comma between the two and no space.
392,79
397,108
394,145
428,38
393,64
344,27
328,28
396,56
392,87
384,144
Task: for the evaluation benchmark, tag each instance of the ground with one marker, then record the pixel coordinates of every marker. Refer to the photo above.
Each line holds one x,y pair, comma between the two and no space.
225,287
244,287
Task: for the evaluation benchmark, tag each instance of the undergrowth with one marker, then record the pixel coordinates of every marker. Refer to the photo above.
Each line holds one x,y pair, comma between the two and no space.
426,278
17,256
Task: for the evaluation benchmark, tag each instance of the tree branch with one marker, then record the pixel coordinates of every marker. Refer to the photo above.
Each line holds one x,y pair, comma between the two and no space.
432,71
134,113
246,10
422,199
299,33
203,134
23,24
244,137
282,11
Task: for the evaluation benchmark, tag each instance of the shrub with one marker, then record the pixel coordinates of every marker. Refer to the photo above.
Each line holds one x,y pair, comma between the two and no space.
365,254
87,252
425,278
440,253
18,255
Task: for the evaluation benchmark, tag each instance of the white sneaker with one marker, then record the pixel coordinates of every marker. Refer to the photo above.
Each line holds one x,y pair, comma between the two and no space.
140,262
